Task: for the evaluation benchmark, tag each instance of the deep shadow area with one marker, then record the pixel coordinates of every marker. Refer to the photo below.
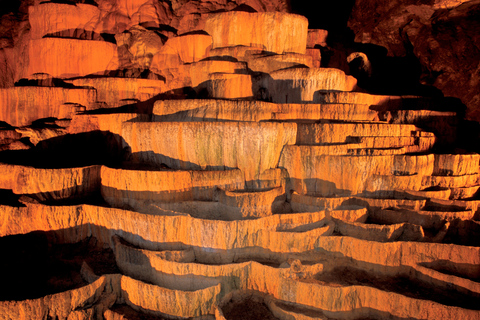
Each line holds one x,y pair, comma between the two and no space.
390,75
8,198
247,309
127,313
348,276
459,270
71,150
47,82
81,34
35,266
329,15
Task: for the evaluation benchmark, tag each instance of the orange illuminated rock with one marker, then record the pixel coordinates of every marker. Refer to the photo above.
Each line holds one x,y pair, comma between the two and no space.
446,4
250,147
467,180
61,305
229,86
19,106
456,164
238,110
316,56
464,192
103,122
426,219
116,92
182,49
122,187
50,18
137,46
194,303
189,22
234,277
299,85
271,31
231,172
46,184
239,52
203,71
271,63
318,133
112,288
64,58
256,204
35,135
398,256
317,37
313,173
357,98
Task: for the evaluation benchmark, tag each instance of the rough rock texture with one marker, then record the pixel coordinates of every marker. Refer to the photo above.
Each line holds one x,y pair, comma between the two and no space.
51,184
209,145
300,85
183,49
20,106
440,37
273,32
50,18
209,109
115,92
85,57
218,160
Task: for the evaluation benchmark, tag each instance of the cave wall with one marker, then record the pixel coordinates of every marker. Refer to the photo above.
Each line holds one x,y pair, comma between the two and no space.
441,37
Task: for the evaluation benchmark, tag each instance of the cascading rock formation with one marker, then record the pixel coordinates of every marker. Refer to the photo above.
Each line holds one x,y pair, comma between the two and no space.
190,159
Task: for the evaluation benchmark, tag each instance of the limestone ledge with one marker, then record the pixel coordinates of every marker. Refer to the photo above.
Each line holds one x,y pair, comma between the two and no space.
256,29
427,219
19,106
273,281
115,92
229,86
306,203
50,18
222,241
270,63
240,52
238,110
67,58
249,146
202,71
104,122
183,49
109,289
464,192
120,186
326,175
410,143
301,85
468,180
412,116
50,184
312,171
404,231
243,204
456,164
388,102
311,134
57,306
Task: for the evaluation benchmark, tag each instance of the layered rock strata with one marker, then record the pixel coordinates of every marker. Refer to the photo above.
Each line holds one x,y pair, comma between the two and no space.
223,172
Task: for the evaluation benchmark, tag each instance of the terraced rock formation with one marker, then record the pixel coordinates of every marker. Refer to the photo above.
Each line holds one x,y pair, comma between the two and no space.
196,164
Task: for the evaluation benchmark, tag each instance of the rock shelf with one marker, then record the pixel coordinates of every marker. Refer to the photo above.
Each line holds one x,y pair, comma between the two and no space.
221,173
